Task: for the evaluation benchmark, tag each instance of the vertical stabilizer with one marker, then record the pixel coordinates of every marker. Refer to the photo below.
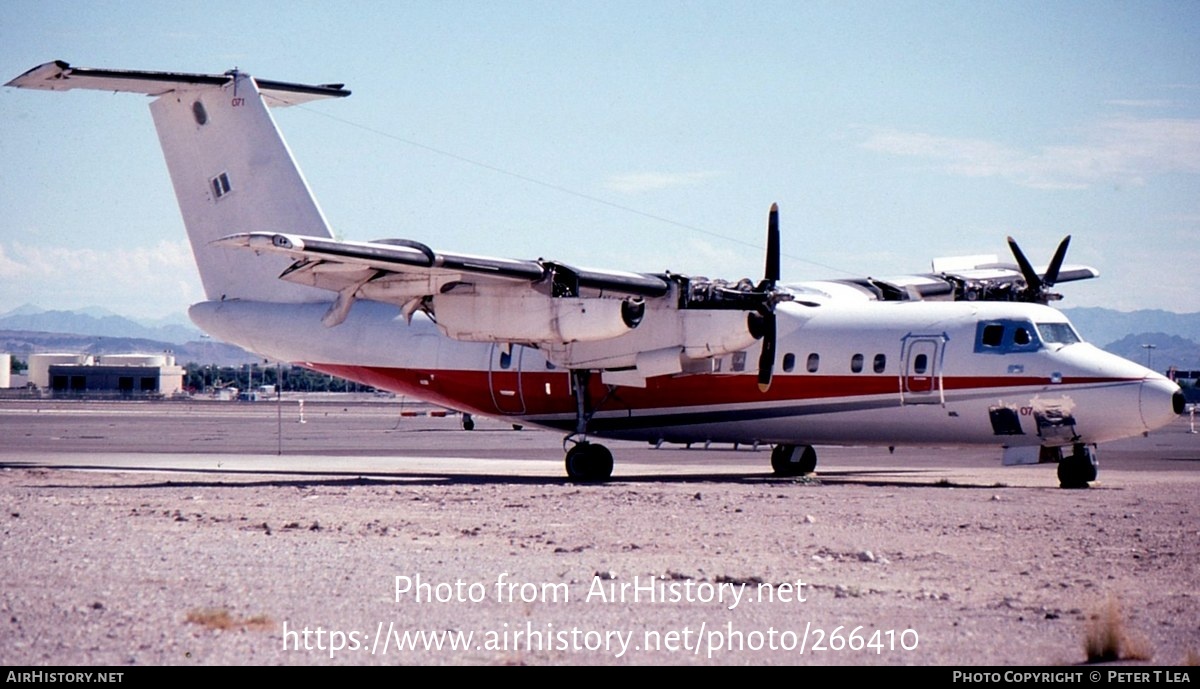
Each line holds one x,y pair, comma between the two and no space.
232,173
231,169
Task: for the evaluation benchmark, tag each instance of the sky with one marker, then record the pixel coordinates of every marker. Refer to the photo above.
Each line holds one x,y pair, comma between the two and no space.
642,136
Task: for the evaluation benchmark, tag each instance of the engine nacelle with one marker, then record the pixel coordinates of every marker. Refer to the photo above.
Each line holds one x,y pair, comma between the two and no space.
535,318
690,335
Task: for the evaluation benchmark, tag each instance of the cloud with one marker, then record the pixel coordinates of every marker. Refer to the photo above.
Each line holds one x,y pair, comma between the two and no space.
1145,103
640,182
1119,150
141,281
9,269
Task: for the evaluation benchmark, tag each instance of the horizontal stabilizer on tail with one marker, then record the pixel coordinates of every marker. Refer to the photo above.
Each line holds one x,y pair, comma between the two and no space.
60,76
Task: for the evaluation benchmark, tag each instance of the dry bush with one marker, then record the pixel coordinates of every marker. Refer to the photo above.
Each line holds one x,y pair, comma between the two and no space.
221,618
1106,639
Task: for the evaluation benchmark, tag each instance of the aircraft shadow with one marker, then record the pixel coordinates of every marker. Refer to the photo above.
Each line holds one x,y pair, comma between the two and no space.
302,479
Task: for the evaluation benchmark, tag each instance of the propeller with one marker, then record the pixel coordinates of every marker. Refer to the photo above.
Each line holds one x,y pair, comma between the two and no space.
1037,287
766,310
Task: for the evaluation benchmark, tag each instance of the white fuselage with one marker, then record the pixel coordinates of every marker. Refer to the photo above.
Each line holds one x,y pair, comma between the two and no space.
885,373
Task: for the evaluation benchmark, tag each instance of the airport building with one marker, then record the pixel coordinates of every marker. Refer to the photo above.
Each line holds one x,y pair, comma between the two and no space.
6,374
143,375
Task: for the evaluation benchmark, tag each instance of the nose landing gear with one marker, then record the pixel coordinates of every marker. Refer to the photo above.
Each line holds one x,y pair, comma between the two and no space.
793,460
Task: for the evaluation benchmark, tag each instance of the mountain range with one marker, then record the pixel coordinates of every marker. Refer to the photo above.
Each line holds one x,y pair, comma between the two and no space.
99,322
30,329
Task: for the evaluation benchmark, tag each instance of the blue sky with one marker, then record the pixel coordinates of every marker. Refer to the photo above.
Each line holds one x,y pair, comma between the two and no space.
636,135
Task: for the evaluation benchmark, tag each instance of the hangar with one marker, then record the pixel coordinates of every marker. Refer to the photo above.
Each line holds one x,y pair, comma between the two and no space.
125,375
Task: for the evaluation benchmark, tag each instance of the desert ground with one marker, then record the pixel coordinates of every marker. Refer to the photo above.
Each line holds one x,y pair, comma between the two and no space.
206,533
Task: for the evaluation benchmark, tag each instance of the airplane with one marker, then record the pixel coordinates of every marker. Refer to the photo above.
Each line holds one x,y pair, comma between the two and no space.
970,354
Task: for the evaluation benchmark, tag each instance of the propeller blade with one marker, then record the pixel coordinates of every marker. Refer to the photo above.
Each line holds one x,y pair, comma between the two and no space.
762,323
766,360
1032,279
771,271
1051,275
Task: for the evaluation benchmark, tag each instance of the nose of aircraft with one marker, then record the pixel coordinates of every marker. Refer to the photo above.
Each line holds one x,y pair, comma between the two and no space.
1161,402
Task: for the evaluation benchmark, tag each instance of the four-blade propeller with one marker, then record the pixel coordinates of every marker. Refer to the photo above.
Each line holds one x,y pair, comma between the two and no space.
1037,287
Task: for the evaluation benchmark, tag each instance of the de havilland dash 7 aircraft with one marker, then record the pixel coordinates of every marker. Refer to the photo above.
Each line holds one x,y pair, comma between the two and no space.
969,354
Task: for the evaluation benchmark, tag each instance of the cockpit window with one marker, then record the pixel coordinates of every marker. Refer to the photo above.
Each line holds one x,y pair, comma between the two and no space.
1058,333
993,335
1005,336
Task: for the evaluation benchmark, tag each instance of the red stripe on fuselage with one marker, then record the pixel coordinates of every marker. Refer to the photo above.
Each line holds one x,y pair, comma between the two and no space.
549,392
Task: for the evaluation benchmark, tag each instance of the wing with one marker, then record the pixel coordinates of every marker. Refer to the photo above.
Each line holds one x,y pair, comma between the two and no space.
631,325
969,278
1013,282
410,274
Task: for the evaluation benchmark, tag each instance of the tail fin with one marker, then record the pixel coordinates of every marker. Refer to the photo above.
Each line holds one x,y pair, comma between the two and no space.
231,168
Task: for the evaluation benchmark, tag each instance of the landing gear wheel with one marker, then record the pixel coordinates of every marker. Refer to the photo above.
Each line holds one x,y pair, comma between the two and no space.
468,423
793,460
1078,469
589,463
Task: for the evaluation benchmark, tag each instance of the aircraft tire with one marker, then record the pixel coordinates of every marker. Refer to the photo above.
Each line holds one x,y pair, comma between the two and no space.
590,463
1078,469
793,460
468,423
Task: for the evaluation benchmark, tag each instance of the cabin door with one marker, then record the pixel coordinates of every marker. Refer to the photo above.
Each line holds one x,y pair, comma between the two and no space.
921,377
504,378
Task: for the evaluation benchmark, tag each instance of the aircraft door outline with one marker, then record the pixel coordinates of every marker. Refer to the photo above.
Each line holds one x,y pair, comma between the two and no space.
504,378
921,380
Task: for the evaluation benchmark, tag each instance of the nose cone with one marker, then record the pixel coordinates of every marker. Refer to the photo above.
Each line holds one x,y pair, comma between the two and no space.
1161,402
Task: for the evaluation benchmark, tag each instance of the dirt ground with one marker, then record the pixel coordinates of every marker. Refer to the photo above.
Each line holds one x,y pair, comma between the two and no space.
202,534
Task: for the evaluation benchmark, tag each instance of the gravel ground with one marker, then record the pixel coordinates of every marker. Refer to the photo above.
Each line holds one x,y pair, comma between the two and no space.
174,535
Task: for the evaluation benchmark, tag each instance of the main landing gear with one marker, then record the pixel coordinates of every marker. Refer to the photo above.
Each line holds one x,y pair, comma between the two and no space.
1079,468
589,462
586,461
793,460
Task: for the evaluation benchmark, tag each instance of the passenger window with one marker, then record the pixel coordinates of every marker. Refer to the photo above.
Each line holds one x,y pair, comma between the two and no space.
993,335
789,362
814,362
737,362
920,364
880,363
505,359
856,363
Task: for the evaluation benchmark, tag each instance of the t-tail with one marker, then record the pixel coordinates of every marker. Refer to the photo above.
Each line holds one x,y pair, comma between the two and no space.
231,168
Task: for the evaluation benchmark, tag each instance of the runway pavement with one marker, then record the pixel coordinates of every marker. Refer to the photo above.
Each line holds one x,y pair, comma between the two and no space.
389,437
211,533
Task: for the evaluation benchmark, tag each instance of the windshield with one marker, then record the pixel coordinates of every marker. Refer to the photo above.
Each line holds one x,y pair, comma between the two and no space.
1058,333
